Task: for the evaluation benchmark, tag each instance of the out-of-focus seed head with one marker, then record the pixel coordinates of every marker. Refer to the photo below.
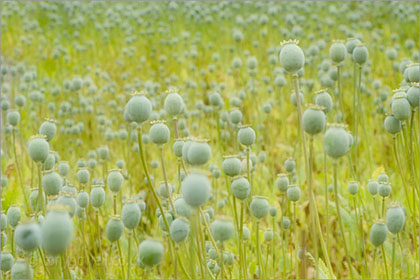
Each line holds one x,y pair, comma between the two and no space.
395,219
259,207
292,58
150,252
28,236
38,149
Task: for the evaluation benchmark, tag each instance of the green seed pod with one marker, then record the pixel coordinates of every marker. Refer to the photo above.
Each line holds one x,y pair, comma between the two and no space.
282,182
378,233
56,231
48,129
395,219
245,233
115,180
177,148
173,104
4,181
391,53
161,222
6,261
268,235
150,252
130,215
38,149
383,178
246,136
3,239
351,44
252,63
159,133
291,57
272,211
338,52
336,142
49,162
52,182
163,192
182,208
33,199
185,149
179,230
384,189
196,189
240,188
392,124
259,207
13,118
139,108
97,196
68,200
235,117
400,107
142,205
413,72
199,153
13,215
83,176
20,100
372,187
324,99
22,270
231,166
3,219
313,120
289,165
293,98
286,222
353,188
28,236
63,168
83,199
114,229
413,95
228,258
360,54
293,193
103,152
222,230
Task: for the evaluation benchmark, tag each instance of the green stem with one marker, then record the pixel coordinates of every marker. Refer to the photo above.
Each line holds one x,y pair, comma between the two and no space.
260,272
393,258
340,96
114,198
337,204
385,264
40,192
129,256
213,242
327,207
121,259
248,151
19,172
312,204
241,224
166,179
43,262
149,181
407,196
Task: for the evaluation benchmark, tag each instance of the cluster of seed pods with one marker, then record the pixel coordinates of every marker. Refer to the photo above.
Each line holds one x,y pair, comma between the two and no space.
215,150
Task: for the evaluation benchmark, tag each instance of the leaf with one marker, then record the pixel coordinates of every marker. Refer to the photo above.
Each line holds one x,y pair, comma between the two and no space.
324,272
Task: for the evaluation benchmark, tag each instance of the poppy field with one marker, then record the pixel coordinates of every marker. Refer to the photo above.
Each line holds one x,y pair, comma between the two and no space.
209,140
